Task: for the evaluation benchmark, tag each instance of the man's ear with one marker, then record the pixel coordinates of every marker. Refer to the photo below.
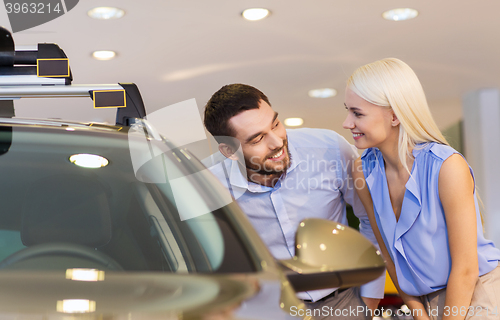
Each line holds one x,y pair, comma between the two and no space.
228,151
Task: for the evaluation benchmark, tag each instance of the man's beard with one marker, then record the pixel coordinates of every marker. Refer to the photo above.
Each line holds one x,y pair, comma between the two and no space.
261,167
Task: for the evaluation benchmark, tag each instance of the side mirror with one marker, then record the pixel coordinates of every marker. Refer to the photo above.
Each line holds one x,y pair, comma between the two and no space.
330,255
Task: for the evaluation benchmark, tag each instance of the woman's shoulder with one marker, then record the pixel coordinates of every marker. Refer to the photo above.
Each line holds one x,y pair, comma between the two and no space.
437,151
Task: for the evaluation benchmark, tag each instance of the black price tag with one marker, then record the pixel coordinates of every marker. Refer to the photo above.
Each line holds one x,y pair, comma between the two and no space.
109,99
52,67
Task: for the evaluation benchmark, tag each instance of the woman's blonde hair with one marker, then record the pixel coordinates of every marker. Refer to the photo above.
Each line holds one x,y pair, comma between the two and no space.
392,83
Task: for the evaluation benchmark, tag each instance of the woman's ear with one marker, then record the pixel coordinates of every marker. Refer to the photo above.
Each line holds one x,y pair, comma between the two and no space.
228,151
394,120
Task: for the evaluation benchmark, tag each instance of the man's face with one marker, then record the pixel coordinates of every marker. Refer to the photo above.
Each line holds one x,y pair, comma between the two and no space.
263,140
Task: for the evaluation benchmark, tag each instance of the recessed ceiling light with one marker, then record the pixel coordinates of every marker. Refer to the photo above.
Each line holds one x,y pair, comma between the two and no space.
255,14
103,55
322,93
400,14
86,160
106,13
293,122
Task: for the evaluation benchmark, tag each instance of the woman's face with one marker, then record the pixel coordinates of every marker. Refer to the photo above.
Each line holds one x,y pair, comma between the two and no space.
370,125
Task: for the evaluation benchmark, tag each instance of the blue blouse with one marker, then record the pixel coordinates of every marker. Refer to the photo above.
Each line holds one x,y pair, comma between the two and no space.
418,241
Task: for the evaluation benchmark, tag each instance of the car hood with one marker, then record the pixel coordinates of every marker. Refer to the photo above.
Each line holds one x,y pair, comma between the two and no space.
122,295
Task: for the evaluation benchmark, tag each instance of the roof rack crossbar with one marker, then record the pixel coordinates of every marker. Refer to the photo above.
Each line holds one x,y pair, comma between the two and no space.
25,57
23,80
74,90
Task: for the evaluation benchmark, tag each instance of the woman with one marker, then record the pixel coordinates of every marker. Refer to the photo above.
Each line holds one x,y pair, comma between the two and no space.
420,196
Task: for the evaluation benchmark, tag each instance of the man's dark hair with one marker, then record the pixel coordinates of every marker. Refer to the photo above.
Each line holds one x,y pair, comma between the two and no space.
228,102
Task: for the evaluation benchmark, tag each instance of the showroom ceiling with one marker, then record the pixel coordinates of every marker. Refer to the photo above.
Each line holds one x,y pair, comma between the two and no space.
177,50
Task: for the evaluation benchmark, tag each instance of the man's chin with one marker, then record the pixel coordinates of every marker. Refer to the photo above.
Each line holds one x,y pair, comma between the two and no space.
279,167
265,170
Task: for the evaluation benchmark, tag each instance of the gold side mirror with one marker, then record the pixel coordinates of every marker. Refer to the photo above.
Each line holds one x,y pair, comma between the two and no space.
329,255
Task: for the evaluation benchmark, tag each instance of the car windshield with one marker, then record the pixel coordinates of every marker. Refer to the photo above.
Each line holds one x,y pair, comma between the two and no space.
145,206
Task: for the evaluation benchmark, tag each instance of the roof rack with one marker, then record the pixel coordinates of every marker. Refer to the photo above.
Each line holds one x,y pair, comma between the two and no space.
47,64
44,72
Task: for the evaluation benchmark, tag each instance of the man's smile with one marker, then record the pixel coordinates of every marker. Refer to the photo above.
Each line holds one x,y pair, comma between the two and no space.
278,156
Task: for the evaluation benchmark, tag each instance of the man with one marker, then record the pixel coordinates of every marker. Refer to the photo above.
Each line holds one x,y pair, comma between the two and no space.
280,177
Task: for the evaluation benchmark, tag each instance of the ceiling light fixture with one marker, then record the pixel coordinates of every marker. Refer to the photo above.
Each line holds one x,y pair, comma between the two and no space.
322,93
400,14
86,160
255,14
106,13
293,122
103,55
